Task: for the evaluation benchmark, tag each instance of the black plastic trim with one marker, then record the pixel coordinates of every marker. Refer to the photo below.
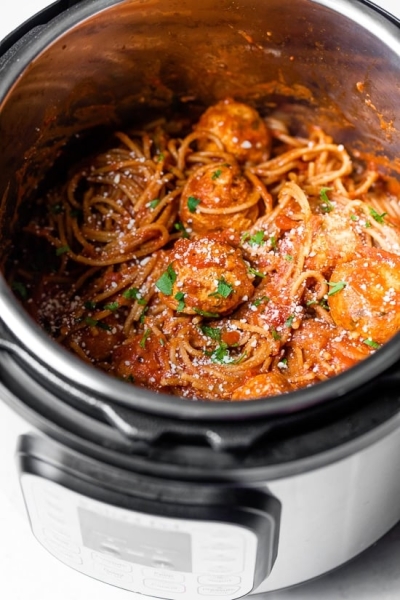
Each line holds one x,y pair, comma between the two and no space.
248,507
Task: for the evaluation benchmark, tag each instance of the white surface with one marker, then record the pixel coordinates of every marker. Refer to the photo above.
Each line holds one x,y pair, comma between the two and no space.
28,571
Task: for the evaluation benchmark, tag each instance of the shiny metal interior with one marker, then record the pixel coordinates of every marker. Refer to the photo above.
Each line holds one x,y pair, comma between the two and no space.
106,63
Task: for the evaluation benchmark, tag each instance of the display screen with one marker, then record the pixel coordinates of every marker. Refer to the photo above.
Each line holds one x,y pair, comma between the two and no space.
147,546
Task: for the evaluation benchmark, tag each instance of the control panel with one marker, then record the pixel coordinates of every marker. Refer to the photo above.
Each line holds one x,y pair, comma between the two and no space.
152,555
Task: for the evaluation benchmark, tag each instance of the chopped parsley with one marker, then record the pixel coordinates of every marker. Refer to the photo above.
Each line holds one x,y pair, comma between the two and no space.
326,204
181,302
193,203
205,313
258,301
289,321
224,289
134,294
143,314
289,257
216,174
180,227
89,304
367,224
95,323
222,355
154,203
378,217
275,334
372,343
212,332
166,282
272,242
62,250
113,306
257,239
336,287
354,217
145,336
255,272
19,287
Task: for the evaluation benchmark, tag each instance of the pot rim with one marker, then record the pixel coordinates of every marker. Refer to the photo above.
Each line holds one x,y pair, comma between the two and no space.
74,371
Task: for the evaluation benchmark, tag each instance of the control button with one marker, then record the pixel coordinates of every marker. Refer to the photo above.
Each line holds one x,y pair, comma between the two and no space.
111,573
161,575
208,590
219,579
64,545
56,535
63,554
164,586
223,557
219,569
113,563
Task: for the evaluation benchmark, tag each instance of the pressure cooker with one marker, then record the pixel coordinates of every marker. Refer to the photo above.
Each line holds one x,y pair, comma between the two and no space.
159,495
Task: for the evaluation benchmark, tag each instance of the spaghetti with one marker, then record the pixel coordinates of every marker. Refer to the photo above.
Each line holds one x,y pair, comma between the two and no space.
235,262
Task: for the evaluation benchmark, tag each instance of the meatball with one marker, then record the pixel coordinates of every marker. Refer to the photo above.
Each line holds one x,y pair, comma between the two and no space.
206,277
334,240
265,384
240,128
218,188
142,360
364,295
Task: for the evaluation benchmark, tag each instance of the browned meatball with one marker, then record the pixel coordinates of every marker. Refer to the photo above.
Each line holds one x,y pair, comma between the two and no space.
364,295
215,189
240,128
262,385
206,277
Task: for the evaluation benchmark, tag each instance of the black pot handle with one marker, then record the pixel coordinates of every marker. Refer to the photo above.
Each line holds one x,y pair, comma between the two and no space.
94,405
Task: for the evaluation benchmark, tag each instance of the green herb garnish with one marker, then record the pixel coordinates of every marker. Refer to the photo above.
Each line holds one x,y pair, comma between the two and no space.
62,250
205,313
216,174
193,203
275,334
166,282
95,323
258,301
154,203
272,242
224,289
113,306
372,344
336,287
180,227
256,273
326,204
20,287
257,239
181,302
212,332
378,217
134,294
143,341
289,257
289,321
89,304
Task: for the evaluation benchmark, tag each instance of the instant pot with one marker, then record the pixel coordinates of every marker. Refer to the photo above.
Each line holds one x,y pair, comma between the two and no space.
158,495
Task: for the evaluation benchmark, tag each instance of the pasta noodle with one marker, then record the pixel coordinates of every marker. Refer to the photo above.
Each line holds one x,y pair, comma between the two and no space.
230,262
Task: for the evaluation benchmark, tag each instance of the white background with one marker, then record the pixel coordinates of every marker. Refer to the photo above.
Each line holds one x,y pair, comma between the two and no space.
27,571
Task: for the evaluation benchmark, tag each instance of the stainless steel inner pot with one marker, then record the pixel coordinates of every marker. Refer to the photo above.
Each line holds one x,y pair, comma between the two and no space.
102,64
